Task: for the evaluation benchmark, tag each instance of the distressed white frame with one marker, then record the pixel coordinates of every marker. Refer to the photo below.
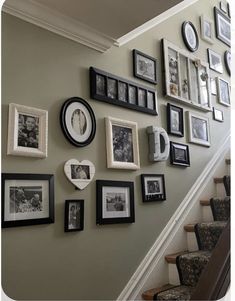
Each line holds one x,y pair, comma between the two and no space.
204,19
219,92
12,145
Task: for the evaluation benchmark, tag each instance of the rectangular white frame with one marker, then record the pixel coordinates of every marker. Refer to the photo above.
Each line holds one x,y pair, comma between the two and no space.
219,92
215,115
211,52
109,122
204,19
12,145
190,129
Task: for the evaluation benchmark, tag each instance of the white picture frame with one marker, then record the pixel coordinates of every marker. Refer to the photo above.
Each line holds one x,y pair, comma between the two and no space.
207,29
223,91
215,61
27,131
218,115
122,144
199,129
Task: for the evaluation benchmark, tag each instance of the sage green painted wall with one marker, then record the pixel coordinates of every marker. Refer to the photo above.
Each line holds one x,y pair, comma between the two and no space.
42,70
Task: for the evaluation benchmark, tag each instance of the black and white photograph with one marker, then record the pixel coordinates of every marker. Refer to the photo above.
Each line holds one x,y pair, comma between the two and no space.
27,131
223,6
122,91
179,154
153,187
28,199
218,115
227,61
222,26
114,202
175,120
132,94
173,73
190,36
198,129
142,97
74,215
122,144
80,172
100,84
215,61
112,88
207,29
145,66
213,86
78,121
223,92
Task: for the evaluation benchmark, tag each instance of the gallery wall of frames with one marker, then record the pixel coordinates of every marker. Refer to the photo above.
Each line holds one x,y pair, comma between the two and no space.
117,139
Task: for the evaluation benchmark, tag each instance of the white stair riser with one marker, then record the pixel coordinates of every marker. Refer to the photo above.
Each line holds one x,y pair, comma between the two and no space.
173,274
192,242
207,214
220,191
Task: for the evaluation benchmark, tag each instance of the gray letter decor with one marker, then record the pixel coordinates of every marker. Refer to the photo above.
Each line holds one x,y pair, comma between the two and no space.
80,174
159,144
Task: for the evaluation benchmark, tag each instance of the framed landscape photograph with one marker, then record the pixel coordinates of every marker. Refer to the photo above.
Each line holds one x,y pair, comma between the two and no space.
27,199
223,92
218,115
122,144
153,187
190,36
215,61
114,202
175,120
145,66
179,154
222,26
207,29
199,129
77,121
74,215
27,131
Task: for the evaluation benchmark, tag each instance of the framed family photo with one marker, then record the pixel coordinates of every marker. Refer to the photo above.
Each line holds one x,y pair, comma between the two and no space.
223,92
179,154
27,199
122,144
27,131
199,129
74,215
207,29
153,187
175,120
77,121
114,202
222,26
190,36
215,61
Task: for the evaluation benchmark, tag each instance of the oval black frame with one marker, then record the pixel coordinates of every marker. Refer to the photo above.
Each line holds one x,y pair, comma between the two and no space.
185,38
226,61
64,108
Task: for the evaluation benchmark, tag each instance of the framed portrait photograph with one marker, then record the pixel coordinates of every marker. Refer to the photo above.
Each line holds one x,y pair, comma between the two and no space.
175,120
122,144
74,215
223,92
114,202
218,115
77,121
215,61
179,154
227,61
27,131
199,129
153,187
222,26
207,29
213,86
145,66
190,36
27,199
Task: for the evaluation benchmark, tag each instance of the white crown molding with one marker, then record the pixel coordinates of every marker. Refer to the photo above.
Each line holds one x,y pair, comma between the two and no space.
49,19
153,22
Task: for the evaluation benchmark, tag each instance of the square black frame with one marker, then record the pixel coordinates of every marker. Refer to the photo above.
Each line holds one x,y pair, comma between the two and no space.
66,215
174,159
180,111
217,13
34,221
135,70
155,197
100,220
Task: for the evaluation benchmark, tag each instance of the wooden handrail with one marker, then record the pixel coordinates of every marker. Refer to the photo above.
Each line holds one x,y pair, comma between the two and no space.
215,279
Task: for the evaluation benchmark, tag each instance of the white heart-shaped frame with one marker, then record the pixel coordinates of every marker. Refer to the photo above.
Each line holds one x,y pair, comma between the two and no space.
79,173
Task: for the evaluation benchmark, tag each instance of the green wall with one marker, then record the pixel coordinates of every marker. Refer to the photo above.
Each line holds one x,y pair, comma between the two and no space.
42,70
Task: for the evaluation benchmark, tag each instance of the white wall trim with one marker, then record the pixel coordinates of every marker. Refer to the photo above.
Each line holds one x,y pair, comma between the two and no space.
153,22
49,19
157,251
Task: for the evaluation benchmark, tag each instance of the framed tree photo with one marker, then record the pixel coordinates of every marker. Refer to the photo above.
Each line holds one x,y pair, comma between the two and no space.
114,202
223,92
27,131
27,199
175,120
74,215
153,187
215,61
179,154
122,144
190,36
222,26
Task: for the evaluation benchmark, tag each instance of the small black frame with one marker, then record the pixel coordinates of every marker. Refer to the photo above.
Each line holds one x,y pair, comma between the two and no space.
24,199
187,42
176,152
111,208
218,14
118,91
142,69
72,105
75,220
153,187
175,126
227,62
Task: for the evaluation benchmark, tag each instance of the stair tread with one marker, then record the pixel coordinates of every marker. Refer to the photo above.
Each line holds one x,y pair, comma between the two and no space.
205,202
179,292
218,180
171,258
228,161
189,227
149,294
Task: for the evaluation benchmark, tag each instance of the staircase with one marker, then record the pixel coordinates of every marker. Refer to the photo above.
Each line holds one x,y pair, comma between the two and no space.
186,267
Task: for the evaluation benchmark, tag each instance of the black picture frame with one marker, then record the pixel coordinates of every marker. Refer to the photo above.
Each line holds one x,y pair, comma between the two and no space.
218,115
77,109
186,29
153,187
223,30
27,199
227,61
144,66
215,61
118,196
179,154
74,221
115,90
175,120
